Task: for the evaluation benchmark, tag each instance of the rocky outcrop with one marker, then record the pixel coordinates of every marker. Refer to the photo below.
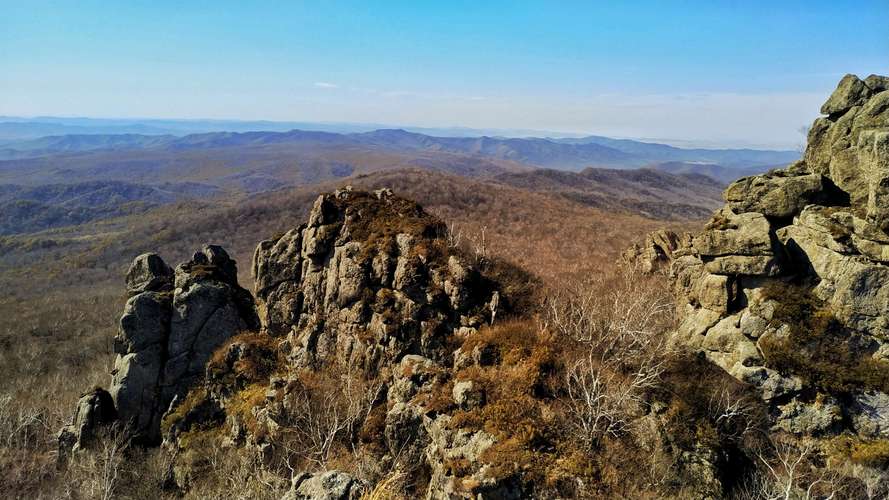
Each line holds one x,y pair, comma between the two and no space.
365,302
171,325
787,287
367,280
656,250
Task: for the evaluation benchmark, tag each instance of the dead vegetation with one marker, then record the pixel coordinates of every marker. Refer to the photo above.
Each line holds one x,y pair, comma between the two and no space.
58,321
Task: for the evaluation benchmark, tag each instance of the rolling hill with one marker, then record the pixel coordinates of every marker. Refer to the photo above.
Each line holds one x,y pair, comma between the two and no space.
562,154
720,173
645,192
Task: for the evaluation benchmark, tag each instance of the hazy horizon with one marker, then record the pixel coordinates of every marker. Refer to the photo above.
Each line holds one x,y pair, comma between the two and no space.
706,73
238,125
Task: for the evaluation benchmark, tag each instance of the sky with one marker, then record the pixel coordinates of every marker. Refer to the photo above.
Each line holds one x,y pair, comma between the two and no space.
726,73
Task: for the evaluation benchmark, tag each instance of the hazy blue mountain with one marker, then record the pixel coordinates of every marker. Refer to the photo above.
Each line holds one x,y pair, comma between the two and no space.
562,154
663,152
82,142
17,128
11,131
719,172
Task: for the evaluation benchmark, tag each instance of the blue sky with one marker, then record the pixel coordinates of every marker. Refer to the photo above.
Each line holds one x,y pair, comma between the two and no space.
711,72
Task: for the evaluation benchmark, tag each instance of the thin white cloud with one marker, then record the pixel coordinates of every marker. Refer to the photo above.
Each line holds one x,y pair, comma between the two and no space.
326,85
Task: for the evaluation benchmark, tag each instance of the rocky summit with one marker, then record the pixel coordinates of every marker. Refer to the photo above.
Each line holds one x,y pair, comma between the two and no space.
367,280
368,289
787,287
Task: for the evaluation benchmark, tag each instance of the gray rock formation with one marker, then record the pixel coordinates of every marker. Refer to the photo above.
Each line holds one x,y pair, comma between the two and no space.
656,250
367,281
171,325
368,288
148,273
94,413
787,287
328,485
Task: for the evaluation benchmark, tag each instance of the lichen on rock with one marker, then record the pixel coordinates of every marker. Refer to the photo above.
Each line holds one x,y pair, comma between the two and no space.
787,287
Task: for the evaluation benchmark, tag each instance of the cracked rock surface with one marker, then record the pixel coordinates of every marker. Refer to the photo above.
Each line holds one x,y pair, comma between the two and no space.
171,325
787,287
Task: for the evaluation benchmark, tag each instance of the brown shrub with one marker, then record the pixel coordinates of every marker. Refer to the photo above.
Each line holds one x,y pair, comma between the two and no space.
819,348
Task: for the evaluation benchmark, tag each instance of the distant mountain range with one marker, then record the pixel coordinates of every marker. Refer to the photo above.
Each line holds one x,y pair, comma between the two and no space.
564,154
13,128
720,173
62,180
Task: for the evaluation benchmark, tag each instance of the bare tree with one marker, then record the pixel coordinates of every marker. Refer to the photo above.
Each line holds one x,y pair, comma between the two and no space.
732,414
454,236
621,334
787,473
319,420
96,472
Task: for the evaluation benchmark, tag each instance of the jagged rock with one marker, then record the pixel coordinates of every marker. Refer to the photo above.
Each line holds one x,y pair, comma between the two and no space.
803,248
728,233
481,355
462,446
94,412
405,434
328,485
842,145
367,280
467,395
870,414
208,308
148,273
169,330
368,286
874,157
415,374
656,250
735,265
775,194
850,92
822,416
877,83
141,354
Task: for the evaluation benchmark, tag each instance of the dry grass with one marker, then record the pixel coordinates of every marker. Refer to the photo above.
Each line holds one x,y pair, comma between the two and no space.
63,291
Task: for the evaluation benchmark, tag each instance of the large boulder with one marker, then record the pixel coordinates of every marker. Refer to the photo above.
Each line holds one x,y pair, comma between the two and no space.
94,414
844,145
327,485
850,92
148,273
775,194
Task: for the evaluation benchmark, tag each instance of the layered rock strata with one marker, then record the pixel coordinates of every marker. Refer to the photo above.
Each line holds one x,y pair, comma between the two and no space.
787,288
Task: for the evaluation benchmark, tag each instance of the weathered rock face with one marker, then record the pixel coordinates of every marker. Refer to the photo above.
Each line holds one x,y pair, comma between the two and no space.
95,411
656,250
329,485
171,325
367,293
367,280
787,288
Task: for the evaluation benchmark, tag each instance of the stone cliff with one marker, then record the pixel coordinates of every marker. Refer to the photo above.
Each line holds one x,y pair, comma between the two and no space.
787,287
